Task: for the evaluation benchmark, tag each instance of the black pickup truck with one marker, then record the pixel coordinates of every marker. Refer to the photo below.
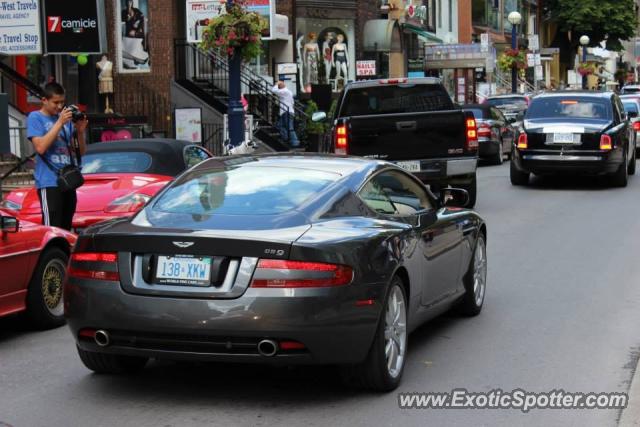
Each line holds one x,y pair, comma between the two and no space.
411,122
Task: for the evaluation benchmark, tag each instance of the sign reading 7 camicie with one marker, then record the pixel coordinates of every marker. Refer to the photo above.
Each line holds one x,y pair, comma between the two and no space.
20,27
74,26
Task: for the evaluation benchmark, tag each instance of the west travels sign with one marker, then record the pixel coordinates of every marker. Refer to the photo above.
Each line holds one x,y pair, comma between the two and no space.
74,26
20,27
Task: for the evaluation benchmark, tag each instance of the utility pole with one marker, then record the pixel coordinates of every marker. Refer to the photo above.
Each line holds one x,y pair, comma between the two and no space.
235,112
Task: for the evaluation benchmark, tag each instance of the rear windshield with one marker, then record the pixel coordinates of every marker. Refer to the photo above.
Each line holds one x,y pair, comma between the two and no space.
630,107
244,190
519,101
580,107
116,162
477,112
390,99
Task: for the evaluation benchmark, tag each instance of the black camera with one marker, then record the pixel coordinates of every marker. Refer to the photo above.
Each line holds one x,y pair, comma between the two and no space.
76,114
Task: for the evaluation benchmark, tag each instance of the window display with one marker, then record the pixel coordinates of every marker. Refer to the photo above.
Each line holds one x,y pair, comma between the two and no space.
326,52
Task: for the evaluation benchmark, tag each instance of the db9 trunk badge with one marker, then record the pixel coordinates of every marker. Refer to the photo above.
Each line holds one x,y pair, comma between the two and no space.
183,244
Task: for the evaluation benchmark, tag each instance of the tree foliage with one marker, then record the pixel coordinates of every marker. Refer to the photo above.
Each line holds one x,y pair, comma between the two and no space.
610,20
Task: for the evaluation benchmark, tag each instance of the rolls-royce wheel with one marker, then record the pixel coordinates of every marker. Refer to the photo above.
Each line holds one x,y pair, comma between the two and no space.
382,369
518,177
620,178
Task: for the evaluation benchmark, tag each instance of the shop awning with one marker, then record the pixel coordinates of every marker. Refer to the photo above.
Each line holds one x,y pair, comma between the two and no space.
423,34
382,35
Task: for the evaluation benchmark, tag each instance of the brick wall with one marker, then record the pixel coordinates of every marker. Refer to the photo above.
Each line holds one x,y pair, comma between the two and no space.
366,10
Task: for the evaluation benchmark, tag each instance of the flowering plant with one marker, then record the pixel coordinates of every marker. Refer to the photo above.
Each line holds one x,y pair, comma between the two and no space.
586,69
237,31
512,58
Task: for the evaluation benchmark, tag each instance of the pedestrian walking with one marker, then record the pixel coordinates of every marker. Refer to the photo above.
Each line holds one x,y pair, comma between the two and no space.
52,131
285,122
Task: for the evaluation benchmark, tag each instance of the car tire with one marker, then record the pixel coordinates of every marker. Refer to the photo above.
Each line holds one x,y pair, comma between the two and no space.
103,363
472,189
475,280
620,178
632,164
45,305
374,373
518,177
499,158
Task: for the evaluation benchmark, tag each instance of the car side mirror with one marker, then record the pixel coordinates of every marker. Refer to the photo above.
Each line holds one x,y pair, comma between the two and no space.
454,197
318,116
9,224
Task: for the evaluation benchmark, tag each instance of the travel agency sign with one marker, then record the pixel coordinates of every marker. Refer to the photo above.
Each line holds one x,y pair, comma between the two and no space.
20,27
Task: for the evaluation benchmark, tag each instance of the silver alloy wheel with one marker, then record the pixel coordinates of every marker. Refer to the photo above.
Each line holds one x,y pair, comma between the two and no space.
395,332
479,271
52,281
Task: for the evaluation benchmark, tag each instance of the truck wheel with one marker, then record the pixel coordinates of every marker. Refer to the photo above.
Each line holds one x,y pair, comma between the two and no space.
472,189
518,177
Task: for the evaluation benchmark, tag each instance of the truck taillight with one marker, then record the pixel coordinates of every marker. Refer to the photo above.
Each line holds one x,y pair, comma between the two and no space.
605,142
94,265
342,139
484,130
393,81
472,134
523,142
275,273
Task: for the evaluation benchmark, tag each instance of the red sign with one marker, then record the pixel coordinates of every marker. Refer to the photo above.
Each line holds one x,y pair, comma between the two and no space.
54,24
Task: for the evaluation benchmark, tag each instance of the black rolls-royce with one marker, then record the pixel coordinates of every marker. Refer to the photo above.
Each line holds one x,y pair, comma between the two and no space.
575,132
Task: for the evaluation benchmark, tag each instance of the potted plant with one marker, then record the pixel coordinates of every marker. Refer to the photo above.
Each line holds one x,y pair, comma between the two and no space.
513,57
586,69
314,130
236,32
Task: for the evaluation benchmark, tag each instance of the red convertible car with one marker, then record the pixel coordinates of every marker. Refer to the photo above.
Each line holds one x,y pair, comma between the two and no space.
33,263
120,177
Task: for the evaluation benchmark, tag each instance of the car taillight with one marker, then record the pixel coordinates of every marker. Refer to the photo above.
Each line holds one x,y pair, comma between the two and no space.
484,130
523,142
274,273
94,265
636,126
129,203
472,134
342,139
605,142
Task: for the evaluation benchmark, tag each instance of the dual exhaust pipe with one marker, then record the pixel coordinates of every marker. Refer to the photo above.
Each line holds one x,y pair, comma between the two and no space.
267,348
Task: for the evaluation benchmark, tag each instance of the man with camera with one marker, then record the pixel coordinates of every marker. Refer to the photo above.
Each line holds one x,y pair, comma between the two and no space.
52,130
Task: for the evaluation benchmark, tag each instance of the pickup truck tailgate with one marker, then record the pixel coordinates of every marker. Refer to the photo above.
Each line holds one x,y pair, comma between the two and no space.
408,136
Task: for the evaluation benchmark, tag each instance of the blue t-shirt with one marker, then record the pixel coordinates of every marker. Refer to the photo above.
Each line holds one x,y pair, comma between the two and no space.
57,154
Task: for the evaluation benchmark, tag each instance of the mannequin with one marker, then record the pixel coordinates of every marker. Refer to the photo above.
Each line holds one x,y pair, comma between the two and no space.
340,55
311,58
326,53
299,43
105,81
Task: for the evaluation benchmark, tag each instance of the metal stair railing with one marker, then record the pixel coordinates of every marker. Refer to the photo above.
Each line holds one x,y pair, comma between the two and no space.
209,71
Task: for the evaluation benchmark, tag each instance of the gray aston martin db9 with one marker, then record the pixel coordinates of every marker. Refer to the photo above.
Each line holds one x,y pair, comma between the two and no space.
293,259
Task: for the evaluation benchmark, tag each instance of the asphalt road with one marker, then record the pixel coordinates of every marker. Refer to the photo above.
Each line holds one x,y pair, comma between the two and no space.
561,313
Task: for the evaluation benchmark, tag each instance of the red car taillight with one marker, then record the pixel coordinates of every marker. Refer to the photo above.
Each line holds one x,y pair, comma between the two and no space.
636,126
523,142
484,130
342,139
274,273
605,142
94,265
472,134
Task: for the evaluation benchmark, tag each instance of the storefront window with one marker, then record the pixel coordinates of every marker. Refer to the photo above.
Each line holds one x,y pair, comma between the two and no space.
260,64
326,52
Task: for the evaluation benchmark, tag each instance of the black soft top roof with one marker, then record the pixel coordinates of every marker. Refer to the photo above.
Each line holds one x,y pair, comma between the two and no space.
167,154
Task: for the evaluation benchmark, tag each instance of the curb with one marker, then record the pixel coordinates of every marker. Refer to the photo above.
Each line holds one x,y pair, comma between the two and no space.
630,416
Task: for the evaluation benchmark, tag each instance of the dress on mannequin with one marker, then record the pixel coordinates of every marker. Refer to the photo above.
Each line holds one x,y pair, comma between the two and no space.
326,54
311,58
105,81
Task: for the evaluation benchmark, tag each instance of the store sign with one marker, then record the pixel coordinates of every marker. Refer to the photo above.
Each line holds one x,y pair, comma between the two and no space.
365,68
287,68
74,27
20,27
199,13
188,124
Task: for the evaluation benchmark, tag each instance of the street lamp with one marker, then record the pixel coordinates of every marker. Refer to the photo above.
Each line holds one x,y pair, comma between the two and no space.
235,112
584,41
514,18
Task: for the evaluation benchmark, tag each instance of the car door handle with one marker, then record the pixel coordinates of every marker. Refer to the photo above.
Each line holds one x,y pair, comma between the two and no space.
406,126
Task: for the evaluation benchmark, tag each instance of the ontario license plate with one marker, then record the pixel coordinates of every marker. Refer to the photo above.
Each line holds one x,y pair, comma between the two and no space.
563,138
413,166
184,270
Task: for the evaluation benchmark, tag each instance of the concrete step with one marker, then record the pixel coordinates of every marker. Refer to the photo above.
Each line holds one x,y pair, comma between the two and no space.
6,166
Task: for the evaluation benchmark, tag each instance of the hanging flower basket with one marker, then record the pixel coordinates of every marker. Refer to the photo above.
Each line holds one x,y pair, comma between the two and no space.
586,69
513,58
237,32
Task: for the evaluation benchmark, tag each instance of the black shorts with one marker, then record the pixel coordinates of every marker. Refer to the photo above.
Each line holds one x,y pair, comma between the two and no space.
58,207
